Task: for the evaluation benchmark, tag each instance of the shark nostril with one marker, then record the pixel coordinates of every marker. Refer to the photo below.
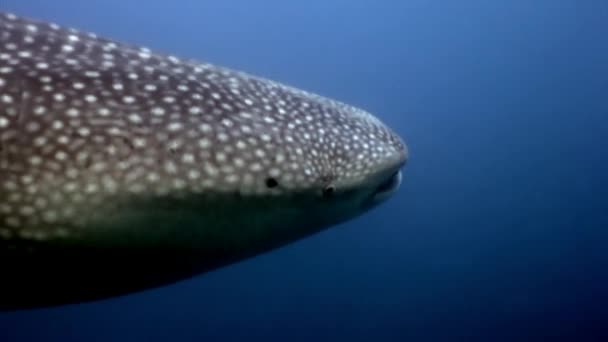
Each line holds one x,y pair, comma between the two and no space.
329,191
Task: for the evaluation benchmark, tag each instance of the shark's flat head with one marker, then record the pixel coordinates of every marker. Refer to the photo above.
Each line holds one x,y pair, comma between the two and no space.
122,169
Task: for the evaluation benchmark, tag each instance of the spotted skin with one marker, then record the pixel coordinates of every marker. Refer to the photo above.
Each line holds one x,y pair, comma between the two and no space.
123,169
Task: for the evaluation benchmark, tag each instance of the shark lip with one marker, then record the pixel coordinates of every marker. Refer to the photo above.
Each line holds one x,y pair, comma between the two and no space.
391,184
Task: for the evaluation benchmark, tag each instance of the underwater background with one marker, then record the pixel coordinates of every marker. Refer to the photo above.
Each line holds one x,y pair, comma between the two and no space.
500,229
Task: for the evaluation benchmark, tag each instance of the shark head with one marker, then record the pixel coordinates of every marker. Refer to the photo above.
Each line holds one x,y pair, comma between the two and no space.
149,168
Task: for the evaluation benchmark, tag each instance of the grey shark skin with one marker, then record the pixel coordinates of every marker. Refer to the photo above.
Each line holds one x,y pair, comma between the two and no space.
122,169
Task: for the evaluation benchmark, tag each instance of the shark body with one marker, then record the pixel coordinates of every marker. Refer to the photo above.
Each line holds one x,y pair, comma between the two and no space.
123,169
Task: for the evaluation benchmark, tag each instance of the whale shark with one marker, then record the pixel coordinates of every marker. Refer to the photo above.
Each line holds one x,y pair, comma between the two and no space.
124,169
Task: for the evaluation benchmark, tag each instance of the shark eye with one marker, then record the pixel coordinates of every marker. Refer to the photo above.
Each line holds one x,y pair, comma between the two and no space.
271,182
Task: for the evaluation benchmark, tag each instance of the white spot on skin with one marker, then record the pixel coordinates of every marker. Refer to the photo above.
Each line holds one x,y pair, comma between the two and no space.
158,111
179,184
153,177
73,112
13,221
274,172
238,162
103,111
135,118
5,234
211,170
7,98
92,73
174,126
221,157
91,188
67,48
58,125
260,153
10,185
204,143
5,208
32,126
139,142
205,128
170,167
188,158
60,155
64,140
10,46
241,145
50,216
232,178
39,110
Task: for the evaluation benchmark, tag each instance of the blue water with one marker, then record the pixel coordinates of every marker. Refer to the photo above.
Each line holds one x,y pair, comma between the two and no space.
500,230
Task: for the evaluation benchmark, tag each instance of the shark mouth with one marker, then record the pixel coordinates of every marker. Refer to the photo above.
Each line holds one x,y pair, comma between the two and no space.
388,187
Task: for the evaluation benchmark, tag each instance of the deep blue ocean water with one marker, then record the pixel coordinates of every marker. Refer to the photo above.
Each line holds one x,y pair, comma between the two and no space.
500,229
